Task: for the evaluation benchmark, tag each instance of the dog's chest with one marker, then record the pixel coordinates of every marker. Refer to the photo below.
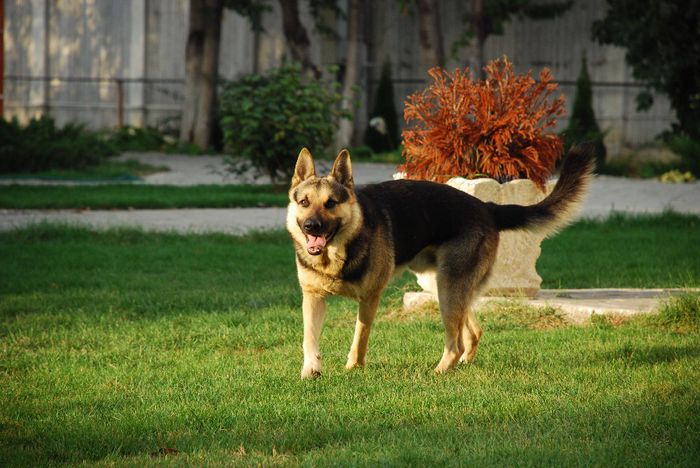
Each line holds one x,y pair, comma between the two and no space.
324,285
323,274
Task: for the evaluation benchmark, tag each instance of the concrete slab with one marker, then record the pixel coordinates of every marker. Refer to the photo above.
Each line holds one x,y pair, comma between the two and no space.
619,194
187,170
577,304
231,221
194,170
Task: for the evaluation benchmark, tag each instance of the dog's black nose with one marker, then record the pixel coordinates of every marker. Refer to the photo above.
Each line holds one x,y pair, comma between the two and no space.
312,225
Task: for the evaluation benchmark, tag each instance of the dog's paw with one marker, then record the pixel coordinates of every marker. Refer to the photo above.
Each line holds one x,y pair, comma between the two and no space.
470,356
467,359
308,373
354,365
443,369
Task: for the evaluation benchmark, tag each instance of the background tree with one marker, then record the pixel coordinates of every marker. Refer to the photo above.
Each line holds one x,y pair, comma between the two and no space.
489,17
432,49
662,38
582,123
201,71
298,43
345,129
202,64
430,30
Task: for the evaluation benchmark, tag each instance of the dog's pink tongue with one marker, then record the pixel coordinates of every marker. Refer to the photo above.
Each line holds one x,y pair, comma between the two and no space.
315,244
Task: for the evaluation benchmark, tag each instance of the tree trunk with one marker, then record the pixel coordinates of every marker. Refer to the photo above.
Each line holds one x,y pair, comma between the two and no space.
298,43
201,71
430,34
479,37
345,130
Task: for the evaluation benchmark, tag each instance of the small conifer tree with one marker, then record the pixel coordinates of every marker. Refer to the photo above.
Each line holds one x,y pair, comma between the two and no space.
384,137
582,124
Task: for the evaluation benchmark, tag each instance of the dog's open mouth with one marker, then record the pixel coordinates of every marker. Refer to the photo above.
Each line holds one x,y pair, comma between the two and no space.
316,244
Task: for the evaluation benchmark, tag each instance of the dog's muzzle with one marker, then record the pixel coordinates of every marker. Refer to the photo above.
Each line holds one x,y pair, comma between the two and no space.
316,238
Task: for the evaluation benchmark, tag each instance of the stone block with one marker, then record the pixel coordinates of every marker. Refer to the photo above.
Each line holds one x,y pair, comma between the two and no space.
514,272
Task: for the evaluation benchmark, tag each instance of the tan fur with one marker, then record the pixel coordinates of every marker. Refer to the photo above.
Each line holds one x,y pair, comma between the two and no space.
321,279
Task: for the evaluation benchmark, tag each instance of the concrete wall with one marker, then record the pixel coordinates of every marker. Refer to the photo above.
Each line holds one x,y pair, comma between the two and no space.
129,39
84,39
145,39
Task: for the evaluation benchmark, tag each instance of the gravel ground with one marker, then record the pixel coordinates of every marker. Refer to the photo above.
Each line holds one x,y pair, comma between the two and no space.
607,195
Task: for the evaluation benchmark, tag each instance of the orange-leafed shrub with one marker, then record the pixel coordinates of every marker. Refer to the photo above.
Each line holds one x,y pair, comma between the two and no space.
497,127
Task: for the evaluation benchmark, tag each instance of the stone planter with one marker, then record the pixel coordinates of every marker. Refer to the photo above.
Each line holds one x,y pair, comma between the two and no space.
514,272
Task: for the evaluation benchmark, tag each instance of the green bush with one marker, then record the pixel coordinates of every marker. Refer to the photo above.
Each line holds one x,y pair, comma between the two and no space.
361,153
385,136
41,145
365,154
689,152
267,119
130,138
582,124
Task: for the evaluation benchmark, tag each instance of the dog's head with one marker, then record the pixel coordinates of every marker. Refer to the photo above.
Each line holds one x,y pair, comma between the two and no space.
321,209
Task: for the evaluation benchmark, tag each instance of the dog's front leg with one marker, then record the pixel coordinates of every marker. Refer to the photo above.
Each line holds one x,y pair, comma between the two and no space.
365,317
314,308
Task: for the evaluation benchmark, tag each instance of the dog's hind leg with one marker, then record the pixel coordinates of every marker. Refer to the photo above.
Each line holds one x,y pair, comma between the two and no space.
470,336
363,326
471,332
463,268
453,299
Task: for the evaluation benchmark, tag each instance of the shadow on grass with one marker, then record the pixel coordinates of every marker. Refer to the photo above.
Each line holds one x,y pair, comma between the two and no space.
651,355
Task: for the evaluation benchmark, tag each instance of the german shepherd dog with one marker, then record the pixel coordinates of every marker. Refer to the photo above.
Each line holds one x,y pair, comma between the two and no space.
351,241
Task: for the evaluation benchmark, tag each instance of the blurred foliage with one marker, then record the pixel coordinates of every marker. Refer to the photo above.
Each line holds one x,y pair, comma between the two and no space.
253,10
130,138
582,123
365,154
663,48
689,151
41,145
267,119
143,139
496,13
676,177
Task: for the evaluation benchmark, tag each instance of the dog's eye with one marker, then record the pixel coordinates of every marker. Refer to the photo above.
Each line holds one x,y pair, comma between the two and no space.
330,204
304,203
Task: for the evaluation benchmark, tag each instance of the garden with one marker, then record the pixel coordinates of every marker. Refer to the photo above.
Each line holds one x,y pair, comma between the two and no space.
129,347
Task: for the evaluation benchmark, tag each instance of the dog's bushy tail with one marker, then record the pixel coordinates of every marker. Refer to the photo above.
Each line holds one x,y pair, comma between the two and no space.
555,211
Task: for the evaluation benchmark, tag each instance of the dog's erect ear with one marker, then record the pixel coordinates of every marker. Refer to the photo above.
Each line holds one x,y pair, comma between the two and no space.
342,169
304,168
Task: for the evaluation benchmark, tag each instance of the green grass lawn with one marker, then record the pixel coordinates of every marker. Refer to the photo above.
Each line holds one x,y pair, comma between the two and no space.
131,169
141,196
624,252
118,346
